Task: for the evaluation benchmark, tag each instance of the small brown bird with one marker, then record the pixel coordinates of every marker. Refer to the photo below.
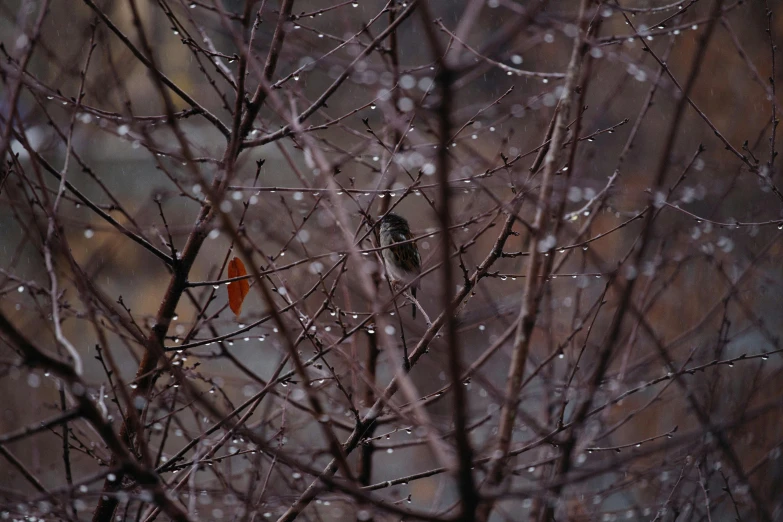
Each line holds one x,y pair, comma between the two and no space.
403,262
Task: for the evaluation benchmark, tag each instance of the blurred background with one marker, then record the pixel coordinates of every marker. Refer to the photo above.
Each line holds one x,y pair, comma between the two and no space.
708,286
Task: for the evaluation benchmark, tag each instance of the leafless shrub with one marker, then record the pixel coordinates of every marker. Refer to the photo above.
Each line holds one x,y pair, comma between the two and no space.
592,187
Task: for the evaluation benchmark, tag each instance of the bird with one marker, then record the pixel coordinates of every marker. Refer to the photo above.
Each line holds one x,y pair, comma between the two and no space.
402,261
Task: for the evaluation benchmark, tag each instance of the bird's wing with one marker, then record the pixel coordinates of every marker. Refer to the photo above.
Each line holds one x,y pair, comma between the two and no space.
406,256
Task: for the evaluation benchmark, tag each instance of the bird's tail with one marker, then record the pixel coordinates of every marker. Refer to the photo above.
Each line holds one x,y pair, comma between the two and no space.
413,292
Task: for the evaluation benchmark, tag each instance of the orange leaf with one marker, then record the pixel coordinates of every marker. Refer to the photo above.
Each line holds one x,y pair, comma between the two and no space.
237,290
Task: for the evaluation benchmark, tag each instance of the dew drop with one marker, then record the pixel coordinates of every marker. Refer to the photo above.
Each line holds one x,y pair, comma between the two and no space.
33,381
